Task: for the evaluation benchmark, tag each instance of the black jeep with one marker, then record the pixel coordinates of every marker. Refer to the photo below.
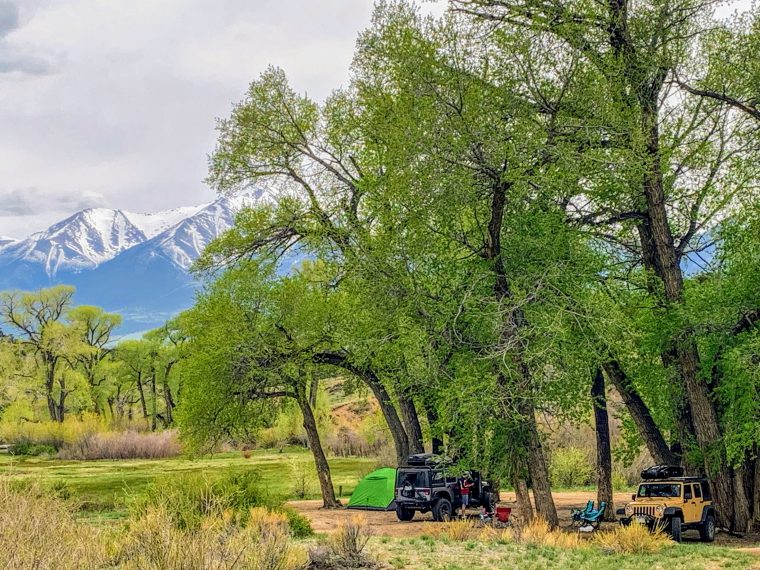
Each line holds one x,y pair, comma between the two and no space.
426,484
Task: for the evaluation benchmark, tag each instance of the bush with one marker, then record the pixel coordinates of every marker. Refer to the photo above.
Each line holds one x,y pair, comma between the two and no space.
345,548
632,539
52,434
570,467
619,481
191,499
31,449
123,445
300,526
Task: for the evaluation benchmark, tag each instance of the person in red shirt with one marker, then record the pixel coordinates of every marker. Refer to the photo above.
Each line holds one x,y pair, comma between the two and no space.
465,484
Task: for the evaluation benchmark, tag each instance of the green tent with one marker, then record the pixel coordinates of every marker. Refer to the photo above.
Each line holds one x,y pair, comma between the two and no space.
375,492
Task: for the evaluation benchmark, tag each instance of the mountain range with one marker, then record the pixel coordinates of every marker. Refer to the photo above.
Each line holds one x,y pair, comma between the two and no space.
134,264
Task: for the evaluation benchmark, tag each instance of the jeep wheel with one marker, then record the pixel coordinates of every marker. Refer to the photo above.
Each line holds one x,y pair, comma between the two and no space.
675,529
404,514
442,510
707,529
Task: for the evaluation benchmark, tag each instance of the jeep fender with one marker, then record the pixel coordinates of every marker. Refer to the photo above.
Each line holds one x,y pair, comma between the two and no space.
443,495
709,510
673,512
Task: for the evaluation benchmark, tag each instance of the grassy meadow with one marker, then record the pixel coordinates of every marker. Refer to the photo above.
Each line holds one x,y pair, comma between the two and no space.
103,488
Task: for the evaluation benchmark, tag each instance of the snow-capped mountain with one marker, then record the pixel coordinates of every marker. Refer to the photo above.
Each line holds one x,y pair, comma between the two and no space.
82,241
5,240
135,264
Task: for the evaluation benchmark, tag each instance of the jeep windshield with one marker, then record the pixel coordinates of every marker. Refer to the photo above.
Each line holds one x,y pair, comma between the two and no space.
659,490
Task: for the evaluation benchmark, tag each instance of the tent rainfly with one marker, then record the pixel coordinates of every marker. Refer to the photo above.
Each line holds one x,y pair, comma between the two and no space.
376,492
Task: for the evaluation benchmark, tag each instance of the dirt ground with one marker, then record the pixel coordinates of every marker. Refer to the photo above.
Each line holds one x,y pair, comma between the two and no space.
386,523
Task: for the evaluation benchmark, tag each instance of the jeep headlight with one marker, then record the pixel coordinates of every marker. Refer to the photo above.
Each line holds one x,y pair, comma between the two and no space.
628,510
659,510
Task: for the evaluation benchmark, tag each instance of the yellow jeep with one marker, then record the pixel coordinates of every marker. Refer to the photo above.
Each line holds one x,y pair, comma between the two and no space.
675,504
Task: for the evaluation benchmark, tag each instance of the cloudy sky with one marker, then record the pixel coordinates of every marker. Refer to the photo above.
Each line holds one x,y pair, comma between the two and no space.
112,102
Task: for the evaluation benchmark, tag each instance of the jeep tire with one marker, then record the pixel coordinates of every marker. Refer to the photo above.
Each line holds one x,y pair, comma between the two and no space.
675,529
442,510
707,529
403,513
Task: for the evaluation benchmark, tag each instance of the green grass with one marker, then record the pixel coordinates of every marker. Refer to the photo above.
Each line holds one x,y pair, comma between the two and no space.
103,487
478,555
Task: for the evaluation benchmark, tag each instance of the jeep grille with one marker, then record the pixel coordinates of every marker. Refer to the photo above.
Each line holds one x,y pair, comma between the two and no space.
644,511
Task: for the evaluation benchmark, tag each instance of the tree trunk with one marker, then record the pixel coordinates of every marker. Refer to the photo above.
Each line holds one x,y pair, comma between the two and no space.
604,491
756,490
50,367
539,474
398,433
154,407
320,461
411,422
650,433
169,402
703,412
513,322
141,391
436,443
313,393
522,496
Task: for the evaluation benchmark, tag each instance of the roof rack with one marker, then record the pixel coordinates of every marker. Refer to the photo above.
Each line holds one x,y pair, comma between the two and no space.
428,460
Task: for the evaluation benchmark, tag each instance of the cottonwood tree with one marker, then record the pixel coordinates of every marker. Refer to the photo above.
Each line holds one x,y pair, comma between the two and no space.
96,327
250,343
677,175
38,320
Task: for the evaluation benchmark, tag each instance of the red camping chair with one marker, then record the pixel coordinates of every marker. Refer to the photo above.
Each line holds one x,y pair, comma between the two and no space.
503,514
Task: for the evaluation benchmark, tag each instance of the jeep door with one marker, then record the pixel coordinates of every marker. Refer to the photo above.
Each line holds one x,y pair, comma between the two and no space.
692,506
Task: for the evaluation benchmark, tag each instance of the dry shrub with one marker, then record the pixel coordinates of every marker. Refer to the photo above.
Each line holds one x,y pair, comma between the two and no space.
457,530
348,443
123,445
38,531
632,539
154,543
345,548
537,532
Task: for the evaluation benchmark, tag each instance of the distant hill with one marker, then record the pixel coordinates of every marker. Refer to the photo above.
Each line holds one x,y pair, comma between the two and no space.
134,264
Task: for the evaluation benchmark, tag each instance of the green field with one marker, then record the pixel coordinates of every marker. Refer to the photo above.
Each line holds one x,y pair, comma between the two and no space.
104,487
435,554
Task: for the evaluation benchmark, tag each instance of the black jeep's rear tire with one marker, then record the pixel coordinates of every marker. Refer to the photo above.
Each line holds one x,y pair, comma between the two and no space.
707,529
442,510
675,529
404,514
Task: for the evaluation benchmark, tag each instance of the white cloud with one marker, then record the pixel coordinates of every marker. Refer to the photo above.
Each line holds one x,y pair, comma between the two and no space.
119,99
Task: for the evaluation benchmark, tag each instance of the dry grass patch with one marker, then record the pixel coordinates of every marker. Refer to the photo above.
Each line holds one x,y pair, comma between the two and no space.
38,531
537,533
457,530
632,539
154,543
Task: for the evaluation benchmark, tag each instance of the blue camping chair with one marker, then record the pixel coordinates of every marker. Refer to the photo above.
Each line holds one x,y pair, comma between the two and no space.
576,514
594,517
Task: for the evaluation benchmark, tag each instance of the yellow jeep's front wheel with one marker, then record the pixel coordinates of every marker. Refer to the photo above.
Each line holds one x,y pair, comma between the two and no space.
675,529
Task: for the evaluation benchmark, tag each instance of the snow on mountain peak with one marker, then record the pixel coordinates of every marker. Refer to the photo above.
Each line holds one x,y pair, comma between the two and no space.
82,241
93,236
154,224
